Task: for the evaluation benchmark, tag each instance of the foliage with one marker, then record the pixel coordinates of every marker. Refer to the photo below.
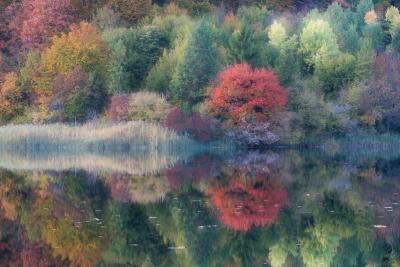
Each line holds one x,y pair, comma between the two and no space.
198,66
82,46
318,42
106,19
277,34
334,74
380,96
133,53
239,203
141,106
39,20
131,11
11,97
199,127
246,94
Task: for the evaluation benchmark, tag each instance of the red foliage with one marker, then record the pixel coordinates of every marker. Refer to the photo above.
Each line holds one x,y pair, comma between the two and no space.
38,20
198,126
243,93
244,205
119,108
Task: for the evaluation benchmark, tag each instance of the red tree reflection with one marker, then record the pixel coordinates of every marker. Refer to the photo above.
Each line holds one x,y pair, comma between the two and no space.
243,205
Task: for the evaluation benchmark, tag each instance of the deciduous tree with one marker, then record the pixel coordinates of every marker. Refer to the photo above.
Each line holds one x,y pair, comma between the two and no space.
246,94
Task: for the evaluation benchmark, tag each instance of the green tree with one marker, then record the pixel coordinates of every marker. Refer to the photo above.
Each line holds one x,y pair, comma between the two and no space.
243,46
334,74
373,30
318,42
287,64
133,53
198,66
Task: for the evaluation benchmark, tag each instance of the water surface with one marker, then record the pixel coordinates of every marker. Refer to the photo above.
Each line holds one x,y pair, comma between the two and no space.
250,208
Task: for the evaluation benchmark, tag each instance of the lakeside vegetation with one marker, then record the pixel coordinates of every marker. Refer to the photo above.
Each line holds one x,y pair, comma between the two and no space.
126,136
257,72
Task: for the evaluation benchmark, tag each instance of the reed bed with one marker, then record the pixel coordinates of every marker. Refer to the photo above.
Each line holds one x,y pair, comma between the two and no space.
92,136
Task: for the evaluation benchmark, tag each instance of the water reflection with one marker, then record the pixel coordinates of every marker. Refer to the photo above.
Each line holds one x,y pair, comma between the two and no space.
285,208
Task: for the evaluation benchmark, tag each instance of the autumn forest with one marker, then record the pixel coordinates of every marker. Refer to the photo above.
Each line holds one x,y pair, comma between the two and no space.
256,72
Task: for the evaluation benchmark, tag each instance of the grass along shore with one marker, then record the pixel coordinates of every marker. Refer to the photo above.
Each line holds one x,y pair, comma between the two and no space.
130,136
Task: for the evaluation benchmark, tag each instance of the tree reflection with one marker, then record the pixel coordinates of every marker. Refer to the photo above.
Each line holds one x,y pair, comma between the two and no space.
244,204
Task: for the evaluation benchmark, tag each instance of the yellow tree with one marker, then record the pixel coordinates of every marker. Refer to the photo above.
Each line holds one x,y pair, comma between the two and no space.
11,97
82,46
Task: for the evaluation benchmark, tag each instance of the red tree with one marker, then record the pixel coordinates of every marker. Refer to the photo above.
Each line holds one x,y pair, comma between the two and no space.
39,20
243,93
244,205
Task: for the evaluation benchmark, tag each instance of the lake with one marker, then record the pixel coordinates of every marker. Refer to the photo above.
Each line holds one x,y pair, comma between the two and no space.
226,208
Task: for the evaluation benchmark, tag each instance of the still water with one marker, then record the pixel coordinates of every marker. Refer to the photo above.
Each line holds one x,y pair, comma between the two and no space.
249,208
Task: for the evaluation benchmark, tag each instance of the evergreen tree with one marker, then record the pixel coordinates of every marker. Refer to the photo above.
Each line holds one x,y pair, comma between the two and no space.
198,66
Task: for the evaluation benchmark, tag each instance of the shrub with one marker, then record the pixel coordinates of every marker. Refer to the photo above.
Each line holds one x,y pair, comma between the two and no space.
141,106
200,127
118,108
246,94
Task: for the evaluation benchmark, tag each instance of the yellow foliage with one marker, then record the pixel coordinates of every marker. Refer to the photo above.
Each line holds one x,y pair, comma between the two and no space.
81,46
9,96
371,17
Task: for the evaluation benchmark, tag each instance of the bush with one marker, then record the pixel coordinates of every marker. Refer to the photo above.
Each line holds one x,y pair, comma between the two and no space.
200,127
141,106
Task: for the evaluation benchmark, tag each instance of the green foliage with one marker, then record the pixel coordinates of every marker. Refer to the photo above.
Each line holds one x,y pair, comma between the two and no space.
85,102
364,60
244,46
198,66
160,76
133,53
106,19
318,42
287,64
28,71
315,117
277,34
363,7
336,73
